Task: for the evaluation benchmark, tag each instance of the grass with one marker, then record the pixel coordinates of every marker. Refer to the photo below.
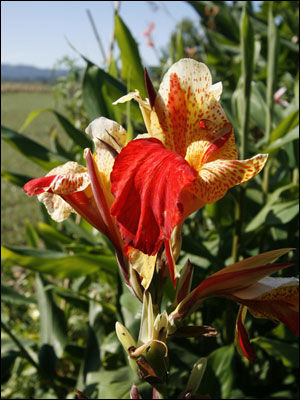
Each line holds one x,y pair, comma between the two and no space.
15,205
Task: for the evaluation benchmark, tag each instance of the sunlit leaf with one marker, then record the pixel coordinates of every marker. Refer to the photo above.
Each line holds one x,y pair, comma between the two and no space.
57,263
132,69
32,150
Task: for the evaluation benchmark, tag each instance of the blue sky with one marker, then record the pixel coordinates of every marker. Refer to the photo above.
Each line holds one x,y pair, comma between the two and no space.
36,32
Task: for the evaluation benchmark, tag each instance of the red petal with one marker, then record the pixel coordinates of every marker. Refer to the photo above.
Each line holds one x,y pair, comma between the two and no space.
38,185
147,180
243,339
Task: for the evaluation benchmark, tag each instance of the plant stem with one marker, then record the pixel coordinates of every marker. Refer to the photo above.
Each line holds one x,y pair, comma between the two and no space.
237,237
24,352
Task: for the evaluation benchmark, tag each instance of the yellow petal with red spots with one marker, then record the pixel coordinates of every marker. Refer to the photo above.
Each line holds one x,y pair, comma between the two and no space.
186,96
273,298
216,177
69,178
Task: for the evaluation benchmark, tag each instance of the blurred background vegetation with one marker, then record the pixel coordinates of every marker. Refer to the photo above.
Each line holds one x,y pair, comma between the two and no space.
61,290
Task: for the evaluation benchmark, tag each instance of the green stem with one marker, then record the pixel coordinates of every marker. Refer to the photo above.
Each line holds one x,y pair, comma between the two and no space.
237,237
24,352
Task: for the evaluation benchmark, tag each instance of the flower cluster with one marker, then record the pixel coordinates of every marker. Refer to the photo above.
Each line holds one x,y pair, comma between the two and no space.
139,193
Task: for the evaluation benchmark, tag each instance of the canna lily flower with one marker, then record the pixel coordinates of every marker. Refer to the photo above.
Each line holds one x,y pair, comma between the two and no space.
247,283
87,191
187,159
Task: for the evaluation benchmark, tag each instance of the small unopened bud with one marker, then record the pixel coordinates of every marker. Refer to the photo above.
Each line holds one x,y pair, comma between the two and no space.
196,376
124,336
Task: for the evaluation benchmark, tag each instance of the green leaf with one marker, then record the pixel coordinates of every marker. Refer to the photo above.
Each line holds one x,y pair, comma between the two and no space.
57,263
113,384
224,19
16,179
75,134
274,214
286,125
132,69
179,44
258,106
272,62
247,53
279,143
53,328
100,90
31,235
286,352
219,374
51,233
32,150
10,295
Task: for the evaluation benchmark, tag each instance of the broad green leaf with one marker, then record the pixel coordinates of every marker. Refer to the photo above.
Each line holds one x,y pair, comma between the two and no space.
32,150
132,69
219,374
16,179
95,97
75,134
274,214
53,328
258,106
279,143
286,352
113,384
285,126
282,213
52,233
131,308
57,263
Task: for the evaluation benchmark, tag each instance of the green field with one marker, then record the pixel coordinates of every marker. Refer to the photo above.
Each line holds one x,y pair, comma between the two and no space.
15,205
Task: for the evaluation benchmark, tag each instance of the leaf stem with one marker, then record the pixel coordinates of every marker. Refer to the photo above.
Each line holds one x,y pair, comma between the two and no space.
237,237
24,352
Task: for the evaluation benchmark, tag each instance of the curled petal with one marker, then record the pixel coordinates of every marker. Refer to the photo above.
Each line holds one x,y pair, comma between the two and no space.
65,179
224,285
147,180
63,190
241,337
273,298
216,177
144,106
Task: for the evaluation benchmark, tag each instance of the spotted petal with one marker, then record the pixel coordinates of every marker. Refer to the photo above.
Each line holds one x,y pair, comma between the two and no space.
66,189
186,96
216,177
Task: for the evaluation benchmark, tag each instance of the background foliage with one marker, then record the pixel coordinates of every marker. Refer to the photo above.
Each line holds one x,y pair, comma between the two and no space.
61,289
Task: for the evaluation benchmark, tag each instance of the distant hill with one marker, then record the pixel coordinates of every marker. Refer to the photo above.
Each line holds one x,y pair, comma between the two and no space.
29,73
